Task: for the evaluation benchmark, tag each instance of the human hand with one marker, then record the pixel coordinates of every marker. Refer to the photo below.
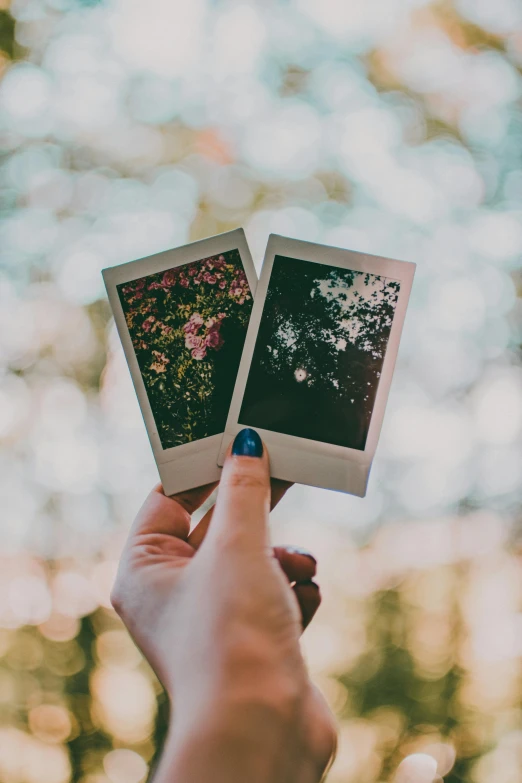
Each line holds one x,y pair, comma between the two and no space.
219,618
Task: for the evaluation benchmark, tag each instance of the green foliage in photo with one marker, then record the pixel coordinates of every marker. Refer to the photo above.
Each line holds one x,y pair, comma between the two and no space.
188,326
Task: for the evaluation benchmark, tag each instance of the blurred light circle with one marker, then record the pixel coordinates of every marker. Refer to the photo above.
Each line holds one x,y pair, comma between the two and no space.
88,103
292,222
458,304
125,766
428,61
238,38
116,649
229,189
444,754
30,599
102,579
141,144
25,92
60,628
497,235
159,37
153,99
484,125
62,407
499,471
175,189
125,703
50,189
31,231
498,408
44,763
286,142
73,594
417,768
503,16
29,163
68,462
80,277
50,723
359,23
490,80
15,400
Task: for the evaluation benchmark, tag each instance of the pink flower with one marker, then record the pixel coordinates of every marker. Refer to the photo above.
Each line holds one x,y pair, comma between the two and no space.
184,282
147,323
166,330
222,259
197,319
193,341
209,323
212,279
210,263
140,284
154,285
206,276
169,278
214,340
222,284
237,292
192,271
160,365
221,316
199,353
138,295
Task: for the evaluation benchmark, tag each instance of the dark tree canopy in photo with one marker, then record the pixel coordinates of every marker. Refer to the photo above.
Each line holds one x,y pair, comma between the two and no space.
319,352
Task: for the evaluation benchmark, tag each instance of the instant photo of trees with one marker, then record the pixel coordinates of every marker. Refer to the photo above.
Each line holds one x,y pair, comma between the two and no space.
319,352
188,325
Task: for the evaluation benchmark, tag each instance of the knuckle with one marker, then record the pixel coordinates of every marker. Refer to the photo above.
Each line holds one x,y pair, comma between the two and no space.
245,480
116,598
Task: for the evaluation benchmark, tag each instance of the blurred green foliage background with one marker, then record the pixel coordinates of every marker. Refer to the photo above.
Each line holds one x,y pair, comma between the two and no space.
388,126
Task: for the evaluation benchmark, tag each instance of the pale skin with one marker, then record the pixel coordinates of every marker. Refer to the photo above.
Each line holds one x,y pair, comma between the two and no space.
218,614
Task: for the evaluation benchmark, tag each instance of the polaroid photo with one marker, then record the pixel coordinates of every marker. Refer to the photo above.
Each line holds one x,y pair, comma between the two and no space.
318,361
182,316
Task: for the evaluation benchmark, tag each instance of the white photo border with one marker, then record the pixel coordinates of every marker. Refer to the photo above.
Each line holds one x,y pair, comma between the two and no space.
299,459
190,464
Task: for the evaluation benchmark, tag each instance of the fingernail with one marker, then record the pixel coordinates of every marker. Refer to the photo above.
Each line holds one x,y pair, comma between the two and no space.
297,550
247,443
307,583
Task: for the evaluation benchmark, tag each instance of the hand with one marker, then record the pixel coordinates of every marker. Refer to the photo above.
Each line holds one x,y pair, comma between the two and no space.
216,616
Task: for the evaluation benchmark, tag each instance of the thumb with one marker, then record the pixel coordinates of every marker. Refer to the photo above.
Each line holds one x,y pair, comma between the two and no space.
242,507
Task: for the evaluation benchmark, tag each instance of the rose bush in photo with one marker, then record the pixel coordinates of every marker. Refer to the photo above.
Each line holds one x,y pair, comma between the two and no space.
188,326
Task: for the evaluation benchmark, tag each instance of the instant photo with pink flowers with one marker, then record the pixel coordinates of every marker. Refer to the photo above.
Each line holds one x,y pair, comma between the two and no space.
182,316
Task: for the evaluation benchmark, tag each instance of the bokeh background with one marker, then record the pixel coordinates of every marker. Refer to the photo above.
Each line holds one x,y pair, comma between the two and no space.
389,126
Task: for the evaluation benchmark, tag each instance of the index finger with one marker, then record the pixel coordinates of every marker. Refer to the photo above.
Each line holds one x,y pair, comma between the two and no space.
243,501
169,515
196,536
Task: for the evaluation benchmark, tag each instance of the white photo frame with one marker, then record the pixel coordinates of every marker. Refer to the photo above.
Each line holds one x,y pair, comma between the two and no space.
194,463
302,459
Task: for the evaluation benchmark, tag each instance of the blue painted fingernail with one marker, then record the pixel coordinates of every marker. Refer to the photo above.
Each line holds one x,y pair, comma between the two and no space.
247,443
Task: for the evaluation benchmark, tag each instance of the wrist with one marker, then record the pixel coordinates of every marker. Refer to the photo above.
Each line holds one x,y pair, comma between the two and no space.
256,738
